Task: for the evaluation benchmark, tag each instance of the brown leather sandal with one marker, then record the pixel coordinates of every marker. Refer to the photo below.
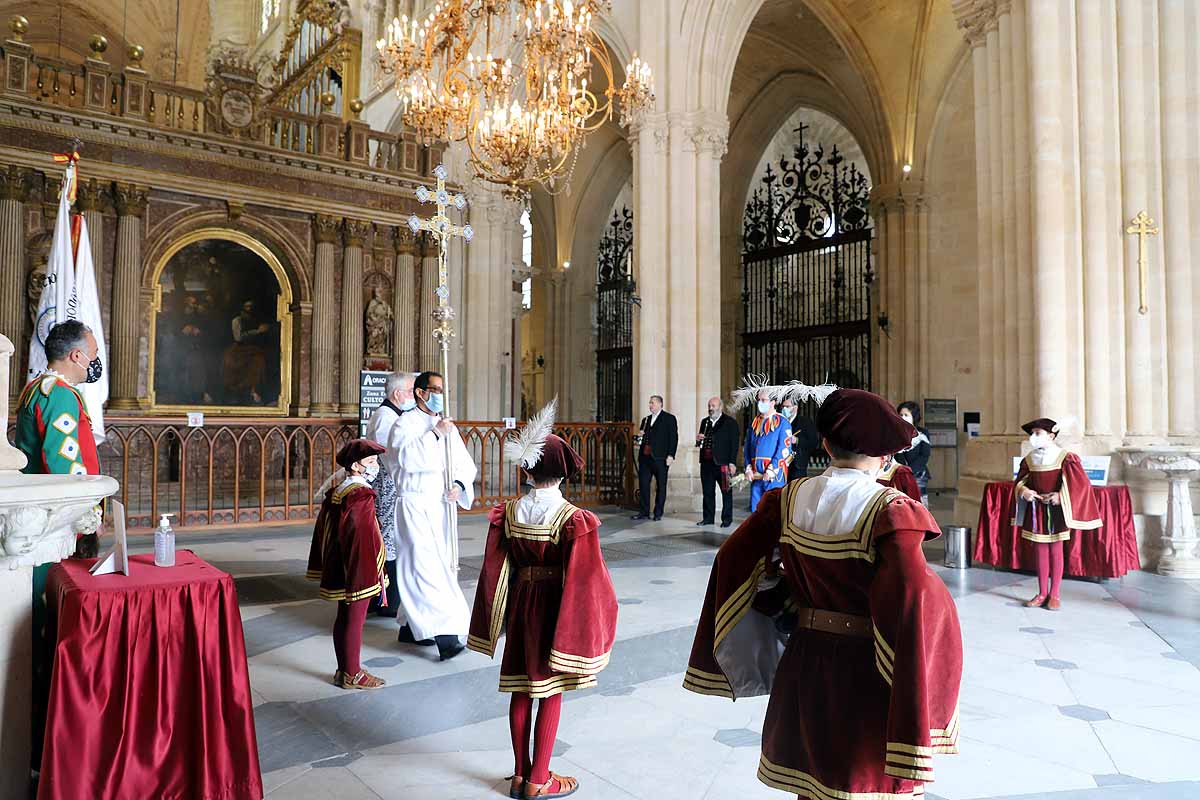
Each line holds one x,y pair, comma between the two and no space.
566,786
1036,602
1053,604
515,784
363,680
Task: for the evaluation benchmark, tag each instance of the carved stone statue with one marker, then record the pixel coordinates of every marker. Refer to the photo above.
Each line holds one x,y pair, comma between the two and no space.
378,318
34,286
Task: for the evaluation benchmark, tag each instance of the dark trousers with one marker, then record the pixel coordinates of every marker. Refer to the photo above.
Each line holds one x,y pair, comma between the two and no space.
710,477
656,469
393,594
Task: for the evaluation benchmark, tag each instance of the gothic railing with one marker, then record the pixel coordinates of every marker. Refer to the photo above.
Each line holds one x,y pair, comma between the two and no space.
251,471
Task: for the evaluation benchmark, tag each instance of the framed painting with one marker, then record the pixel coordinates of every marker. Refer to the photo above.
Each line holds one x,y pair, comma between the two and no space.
220,327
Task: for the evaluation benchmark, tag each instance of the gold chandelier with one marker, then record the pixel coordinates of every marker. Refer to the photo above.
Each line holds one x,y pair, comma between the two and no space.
513,78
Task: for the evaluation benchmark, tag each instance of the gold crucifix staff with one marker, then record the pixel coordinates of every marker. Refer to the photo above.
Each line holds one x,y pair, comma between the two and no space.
1142,226
442,229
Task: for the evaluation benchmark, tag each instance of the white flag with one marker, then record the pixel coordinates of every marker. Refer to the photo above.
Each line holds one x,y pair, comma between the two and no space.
95,395
58,301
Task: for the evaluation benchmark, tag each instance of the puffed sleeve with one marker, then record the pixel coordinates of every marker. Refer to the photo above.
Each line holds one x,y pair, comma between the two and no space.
587,616
737,649
918,644
491,595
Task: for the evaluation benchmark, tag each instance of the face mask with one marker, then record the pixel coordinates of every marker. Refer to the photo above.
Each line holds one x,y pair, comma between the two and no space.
1038,442
789,412
408,405
371,473
906,418
94,370
435,403
765,406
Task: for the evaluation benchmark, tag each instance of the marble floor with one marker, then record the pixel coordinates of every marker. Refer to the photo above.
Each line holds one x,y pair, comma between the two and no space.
1100,701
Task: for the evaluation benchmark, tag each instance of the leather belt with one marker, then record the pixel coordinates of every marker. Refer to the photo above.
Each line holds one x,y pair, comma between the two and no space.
532,574
834,622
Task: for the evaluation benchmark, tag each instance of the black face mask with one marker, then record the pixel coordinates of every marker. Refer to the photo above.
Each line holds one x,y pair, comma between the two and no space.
94,370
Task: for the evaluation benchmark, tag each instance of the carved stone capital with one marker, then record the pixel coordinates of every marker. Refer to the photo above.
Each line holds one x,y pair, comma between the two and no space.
975,18
355,232
404,241
16,183
89,196
711,138
130,200
326,228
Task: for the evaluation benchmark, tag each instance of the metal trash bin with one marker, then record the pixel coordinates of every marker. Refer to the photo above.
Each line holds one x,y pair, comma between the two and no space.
958,547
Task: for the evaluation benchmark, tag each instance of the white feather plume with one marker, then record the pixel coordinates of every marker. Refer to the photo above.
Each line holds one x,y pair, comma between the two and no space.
747,394
525,447
801,392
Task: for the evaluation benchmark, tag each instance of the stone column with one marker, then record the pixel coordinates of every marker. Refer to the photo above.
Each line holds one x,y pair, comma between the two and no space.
649,139
14,192
324,324
711,139
404,305
430,358
127,312
89,200
354,234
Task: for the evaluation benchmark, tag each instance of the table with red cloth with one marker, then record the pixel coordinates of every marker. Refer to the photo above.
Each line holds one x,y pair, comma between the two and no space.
150,692
1109,552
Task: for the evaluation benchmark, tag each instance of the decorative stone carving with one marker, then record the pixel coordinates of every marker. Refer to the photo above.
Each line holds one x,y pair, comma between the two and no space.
15,183
356,232
975,18
378,322
130,200
89,196
326,228
1180,466
35,284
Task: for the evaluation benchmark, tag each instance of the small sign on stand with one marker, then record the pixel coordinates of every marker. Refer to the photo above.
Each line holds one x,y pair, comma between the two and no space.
372,391
195,419
510,423
117,559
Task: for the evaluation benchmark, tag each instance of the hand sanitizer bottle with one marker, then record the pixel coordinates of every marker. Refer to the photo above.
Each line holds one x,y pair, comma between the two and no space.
164,543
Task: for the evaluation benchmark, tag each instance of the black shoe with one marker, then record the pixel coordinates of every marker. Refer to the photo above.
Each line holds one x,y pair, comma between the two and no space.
406,637
726,524
640,516
449,647
704,522
658,518
390,613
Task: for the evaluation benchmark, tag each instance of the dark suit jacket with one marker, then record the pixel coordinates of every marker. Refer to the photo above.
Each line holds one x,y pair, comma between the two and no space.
725,438
663,437
805,440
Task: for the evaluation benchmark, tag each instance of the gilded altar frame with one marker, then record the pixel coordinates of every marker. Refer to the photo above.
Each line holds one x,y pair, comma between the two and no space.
282,311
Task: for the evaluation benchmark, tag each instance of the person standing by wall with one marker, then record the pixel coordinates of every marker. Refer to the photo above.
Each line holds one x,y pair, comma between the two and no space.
916,457
718,441
656,453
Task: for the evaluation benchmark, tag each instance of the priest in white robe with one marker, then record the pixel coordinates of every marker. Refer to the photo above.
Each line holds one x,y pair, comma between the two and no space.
434,605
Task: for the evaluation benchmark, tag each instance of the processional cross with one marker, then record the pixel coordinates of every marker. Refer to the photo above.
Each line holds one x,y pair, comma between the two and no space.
1142,226
443,230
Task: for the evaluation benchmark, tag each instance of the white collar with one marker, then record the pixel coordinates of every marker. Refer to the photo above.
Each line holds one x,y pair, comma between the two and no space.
58,374
1048,455
350,480
832,503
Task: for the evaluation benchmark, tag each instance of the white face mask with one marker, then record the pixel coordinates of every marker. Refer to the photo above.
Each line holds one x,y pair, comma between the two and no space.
765,406
1039,441
789,412
371,473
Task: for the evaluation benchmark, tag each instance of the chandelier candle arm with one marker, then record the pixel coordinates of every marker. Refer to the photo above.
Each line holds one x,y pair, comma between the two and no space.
443,230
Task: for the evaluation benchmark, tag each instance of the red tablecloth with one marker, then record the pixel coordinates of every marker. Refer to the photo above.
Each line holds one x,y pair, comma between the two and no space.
1109,552
150,694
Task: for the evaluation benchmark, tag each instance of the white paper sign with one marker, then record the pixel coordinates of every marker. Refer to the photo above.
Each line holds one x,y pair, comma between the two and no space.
195,419
510,423
117,559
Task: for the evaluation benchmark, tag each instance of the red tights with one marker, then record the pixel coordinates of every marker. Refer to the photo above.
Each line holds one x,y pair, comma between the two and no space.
347,635
520,712
1050,567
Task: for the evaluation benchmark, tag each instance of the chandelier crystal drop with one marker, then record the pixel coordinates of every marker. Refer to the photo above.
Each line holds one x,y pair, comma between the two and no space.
515,80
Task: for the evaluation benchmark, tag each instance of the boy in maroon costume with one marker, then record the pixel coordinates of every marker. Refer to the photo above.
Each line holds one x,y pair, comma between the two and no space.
1052,497
347,557
895,475
544,579
865,691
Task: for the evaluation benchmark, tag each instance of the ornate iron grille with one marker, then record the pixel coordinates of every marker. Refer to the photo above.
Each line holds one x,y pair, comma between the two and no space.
615,292
807,271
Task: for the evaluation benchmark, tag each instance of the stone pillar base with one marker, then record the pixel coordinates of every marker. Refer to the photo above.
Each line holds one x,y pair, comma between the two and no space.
348,410
16,664
123,404
325,410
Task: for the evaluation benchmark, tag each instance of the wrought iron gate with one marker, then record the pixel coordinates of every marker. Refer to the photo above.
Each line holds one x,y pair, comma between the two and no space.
615,290
807,271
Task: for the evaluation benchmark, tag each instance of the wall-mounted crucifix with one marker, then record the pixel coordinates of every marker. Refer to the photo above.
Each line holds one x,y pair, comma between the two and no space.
1142,226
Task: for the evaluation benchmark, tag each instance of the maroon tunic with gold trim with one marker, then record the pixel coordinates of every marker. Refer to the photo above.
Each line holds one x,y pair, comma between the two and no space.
347,551
1077,509
848,717
901,477
549,586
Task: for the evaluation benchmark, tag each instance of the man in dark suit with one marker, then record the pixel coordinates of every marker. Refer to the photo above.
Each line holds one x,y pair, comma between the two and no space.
718,441
805,439
656,453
